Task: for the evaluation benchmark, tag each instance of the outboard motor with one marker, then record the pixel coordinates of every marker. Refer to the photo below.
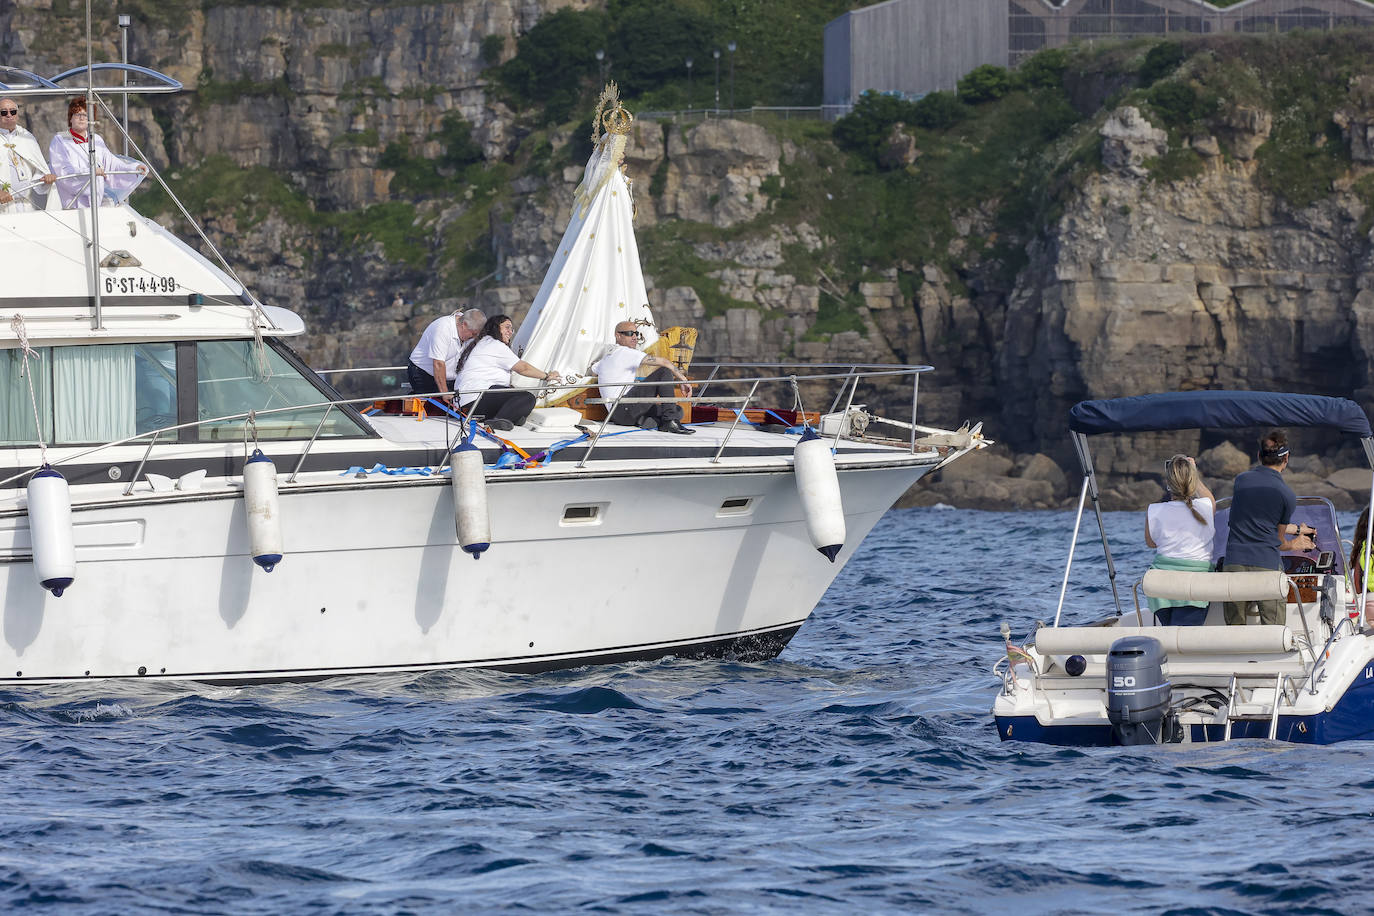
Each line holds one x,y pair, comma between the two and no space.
1138,695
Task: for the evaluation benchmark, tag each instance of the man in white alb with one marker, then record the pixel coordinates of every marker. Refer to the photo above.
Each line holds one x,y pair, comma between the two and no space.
24,173
434,357
618,370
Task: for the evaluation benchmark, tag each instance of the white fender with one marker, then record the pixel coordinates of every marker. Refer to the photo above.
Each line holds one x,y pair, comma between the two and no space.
470,517
819,487
264,510
50,528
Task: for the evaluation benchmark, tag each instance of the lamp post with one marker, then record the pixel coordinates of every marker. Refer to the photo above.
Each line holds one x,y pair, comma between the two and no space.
731,48
124,23
689,83
601,63
716,55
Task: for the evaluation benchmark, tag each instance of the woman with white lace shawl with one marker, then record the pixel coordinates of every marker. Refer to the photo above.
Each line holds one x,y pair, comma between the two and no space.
69,153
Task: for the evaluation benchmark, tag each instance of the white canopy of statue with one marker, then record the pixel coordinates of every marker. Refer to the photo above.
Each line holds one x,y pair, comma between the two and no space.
595,280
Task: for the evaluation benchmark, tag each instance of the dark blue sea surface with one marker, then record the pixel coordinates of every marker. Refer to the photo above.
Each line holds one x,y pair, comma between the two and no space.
857,772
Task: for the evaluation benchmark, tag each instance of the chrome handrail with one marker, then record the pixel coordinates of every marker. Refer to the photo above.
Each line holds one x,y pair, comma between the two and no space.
309,445
739,412
146,452
1319,663
852,374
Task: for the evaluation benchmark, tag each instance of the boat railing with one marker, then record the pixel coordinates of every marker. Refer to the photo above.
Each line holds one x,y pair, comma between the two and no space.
250,418
1319,663
75,191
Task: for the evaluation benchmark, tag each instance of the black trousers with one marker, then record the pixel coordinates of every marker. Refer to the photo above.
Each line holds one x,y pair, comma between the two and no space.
421,382
512,404
631,414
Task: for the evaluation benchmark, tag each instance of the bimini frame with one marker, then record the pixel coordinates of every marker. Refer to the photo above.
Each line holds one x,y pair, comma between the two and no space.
1204,410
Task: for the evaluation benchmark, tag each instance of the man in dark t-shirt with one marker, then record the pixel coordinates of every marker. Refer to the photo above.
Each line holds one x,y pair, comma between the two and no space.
1260,526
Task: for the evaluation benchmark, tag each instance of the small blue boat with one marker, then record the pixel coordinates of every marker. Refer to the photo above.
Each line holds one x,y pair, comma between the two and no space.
1125,679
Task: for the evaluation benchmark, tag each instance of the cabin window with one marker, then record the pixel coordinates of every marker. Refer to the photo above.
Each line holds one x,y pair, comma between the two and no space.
232,379
16,417
90,394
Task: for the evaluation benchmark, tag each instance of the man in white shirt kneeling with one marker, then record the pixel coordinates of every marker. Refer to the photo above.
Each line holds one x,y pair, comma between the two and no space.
618,371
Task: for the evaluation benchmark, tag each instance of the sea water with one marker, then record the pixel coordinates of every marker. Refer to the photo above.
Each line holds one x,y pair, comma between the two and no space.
857,772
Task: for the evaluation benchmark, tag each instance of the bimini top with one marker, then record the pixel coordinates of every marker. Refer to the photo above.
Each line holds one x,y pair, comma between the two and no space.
1217,410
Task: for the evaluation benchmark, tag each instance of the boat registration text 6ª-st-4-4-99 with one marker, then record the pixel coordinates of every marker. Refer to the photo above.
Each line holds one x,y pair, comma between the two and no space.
145,284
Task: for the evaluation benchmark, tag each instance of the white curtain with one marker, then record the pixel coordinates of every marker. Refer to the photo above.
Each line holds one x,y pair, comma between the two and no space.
96,396
16,410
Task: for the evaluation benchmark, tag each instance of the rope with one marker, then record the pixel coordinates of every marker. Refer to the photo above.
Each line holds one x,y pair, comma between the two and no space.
250,426
26,353
797,402
262,366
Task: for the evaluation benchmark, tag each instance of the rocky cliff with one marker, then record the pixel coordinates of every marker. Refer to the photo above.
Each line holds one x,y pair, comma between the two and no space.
345,156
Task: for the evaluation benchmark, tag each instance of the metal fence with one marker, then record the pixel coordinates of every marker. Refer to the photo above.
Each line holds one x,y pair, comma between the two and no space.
756,113
1038,24
918,46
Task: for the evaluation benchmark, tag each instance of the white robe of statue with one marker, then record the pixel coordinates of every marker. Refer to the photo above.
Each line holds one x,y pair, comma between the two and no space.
595,280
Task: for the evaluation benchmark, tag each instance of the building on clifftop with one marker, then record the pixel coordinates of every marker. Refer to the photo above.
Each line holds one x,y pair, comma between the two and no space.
912,47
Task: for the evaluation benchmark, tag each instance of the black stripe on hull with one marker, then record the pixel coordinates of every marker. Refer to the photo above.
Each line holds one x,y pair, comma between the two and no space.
755,646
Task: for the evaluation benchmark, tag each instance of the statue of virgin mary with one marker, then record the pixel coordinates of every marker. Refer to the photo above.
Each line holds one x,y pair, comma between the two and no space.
595,280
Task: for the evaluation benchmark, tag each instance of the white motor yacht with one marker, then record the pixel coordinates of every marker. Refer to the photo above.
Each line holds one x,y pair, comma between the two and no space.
181,497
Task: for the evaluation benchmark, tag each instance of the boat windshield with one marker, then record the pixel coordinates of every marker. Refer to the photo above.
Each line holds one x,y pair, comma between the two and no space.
88,395
231,379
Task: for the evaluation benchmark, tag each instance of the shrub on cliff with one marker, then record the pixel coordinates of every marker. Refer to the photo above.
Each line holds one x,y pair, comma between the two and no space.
1044,70
1160,61
984,84
1179,104
553,59
652,40
939,111
868,125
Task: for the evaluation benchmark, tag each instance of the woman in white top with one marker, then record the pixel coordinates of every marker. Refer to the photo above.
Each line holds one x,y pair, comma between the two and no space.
483,377
1181,530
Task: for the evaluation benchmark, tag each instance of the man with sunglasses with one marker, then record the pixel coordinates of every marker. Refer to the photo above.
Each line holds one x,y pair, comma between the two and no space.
24,173
618,370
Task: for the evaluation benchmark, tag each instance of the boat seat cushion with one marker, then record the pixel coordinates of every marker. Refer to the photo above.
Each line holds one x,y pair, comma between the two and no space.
1181,585
1174,640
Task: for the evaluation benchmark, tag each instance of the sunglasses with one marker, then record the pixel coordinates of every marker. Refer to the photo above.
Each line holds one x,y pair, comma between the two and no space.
9,111
628,333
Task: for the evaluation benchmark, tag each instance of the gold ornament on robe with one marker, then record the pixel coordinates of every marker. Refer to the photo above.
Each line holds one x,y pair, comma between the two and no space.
611,126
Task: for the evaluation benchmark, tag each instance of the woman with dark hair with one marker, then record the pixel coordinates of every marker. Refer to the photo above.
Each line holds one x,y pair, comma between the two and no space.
1181,529
483,377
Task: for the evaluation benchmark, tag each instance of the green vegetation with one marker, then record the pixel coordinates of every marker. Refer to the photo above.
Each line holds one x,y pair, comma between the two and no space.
249,196
211,92
365,138
646,43
984,84
1160,61
493,46
456,168
996,162
1364,189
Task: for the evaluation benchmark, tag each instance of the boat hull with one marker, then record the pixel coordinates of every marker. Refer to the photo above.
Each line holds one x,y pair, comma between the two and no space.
1349,718
373,579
